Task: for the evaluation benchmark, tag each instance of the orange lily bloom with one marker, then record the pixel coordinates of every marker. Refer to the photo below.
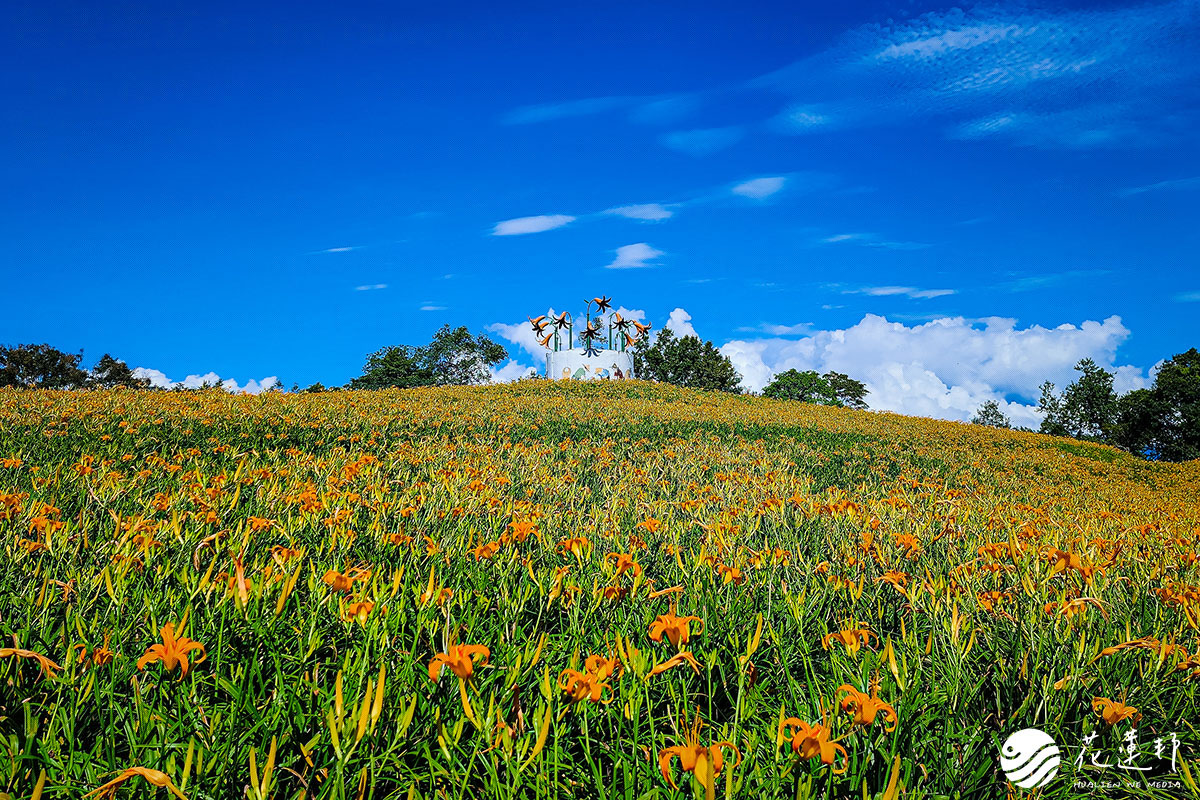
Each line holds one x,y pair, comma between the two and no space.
172,652
625,563
461,660
812,741
359,611
852,638
866,707
151,776
579,686
46,664
600,666
675,628
1113,712
703,762
674,661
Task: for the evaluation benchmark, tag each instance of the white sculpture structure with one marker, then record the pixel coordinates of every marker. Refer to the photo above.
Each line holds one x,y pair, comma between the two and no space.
588,361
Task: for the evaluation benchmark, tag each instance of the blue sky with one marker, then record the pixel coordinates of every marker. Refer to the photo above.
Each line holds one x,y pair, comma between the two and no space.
953,203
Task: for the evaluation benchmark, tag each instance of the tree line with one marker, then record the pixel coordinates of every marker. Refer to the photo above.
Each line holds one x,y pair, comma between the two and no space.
1161,422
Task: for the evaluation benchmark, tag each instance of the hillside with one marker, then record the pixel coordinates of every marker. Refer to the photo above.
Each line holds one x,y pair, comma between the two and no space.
633,557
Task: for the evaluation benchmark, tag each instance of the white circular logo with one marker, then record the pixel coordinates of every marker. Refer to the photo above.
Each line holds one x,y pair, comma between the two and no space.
1029,758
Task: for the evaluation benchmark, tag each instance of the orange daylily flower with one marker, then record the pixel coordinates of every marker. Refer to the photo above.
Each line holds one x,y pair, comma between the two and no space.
151,776
812,741
866,707
703,762
625,563
358,611
1113,712
674,661
172,652
461,659
47,666
852,638
675,628
579,686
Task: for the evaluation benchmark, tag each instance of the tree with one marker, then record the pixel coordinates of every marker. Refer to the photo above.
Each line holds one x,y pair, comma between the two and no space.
1087,408
454,358
684,361
850,392
111,372
40,366
1177,387
804,387
990,414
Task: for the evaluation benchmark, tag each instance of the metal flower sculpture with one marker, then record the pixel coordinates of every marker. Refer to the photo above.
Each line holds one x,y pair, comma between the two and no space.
620,336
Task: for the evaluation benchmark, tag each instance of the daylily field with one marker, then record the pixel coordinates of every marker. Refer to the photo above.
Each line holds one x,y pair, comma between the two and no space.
560,590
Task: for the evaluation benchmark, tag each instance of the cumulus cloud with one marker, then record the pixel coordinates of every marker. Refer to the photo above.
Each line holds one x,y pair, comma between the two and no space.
647,212
680,323
759,188
512,371
159,380
702,142
947,367
634,256
538,224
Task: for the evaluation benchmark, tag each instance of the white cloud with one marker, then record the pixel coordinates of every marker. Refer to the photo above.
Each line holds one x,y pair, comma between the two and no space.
680,323
702,142
907,291
758,188
634,256
370,287
798,329
649,212
520,225
947,367
159,380
1178,183
871,240
346,249
431,307
512,371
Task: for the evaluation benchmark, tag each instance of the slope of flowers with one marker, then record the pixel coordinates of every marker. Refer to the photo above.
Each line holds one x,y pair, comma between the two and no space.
550,590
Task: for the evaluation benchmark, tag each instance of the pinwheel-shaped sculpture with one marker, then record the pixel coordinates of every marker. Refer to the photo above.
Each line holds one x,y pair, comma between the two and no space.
619,329
589,335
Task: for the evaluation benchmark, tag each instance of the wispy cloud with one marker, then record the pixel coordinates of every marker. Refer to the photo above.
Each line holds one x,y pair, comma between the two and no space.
799,329
1179,183
1011,72
1029,283
370,287
872,240
345,249
906,291
760,188
538,224
635,256
702,142
1188,297
647,212
547,112
432,307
